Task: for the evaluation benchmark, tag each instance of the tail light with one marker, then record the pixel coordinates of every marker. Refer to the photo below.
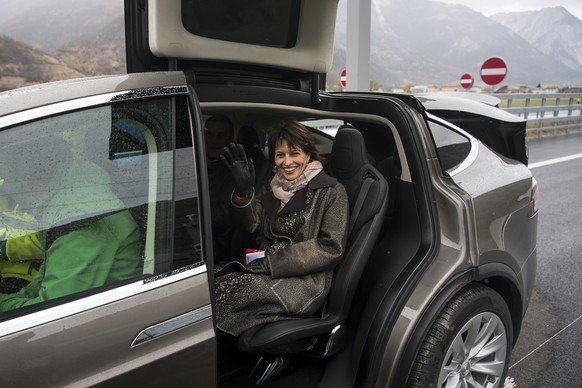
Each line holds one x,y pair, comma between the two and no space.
535,195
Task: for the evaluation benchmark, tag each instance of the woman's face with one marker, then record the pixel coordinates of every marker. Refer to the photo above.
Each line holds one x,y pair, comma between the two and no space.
290,162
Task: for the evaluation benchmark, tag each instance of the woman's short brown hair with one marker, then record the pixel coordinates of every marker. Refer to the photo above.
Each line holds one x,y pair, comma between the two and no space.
296,135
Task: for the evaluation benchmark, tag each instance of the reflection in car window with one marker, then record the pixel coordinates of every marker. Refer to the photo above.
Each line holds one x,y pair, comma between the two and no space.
452,147
87,200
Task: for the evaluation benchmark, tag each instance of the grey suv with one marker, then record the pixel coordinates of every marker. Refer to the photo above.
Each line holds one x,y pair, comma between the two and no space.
104,199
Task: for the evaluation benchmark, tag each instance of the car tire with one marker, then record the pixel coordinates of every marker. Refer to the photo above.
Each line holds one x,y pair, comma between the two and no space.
468,345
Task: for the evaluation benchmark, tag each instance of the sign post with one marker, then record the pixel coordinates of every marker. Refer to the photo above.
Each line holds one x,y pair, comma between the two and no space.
467,81
493,71
343,78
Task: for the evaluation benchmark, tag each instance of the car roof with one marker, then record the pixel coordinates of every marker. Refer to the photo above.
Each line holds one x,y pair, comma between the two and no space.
35,96
199,31
478,104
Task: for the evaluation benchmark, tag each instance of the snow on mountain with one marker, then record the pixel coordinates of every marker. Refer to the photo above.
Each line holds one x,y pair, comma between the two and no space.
552,30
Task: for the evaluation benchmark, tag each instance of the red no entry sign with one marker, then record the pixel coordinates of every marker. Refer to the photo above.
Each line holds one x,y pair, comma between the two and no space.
343,78
493,71
467,81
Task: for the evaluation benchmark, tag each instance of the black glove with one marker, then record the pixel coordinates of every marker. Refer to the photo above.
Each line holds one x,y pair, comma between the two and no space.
3,254
259,267
241,168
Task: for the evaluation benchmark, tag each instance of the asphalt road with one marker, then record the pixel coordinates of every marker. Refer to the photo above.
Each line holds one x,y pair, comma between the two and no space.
549,350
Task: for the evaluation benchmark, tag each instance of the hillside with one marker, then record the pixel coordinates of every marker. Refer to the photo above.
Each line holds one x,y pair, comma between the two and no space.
54,24
21,65
429,42
553,30
413,41
98,54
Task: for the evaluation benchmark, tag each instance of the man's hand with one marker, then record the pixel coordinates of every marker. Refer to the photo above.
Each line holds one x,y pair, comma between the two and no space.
241,168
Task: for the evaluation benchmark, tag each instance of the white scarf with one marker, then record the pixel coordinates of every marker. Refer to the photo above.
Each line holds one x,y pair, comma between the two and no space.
283,189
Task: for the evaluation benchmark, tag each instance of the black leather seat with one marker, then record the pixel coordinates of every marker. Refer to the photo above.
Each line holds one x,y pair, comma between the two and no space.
325,334
391,169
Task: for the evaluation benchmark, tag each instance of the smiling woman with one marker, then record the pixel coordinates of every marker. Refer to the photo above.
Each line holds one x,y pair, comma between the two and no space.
301,226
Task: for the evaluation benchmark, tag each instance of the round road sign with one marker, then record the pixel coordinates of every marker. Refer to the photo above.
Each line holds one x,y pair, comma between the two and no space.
467,81
493,71
343,78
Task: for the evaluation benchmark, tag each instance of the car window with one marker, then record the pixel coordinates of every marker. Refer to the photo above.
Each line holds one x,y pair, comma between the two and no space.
89,199
245,21
452,147
323,132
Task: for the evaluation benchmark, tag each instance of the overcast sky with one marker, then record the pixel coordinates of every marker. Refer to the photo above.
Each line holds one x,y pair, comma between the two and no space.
489,7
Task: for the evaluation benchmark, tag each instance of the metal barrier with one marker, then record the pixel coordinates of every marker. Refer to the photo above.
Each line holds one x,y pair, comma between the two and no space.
546,114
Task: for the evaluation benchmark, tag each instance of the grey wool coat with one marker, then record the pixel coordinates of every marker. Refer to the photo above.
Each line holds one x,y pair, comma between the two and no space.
304,241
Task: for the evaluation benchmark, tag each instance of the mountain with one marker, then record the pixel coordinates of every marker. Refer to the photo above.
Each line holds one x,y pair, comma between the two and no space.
413,41
86,35
553,30
429,42
102,52
55,24
22,64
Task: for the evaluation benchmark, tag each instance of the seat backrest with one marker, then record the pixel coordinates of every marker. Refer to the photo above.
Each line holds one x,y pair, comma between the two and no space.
368,197
391,170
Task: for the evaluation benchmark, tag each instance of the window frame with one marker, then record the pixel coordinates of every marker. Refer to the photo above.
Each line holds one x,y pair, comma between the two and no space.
70,305
473,144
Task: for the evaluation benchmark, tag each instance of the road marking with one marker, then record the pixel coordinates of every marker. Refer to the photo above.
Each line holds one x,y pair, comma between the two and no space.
554,161
546,341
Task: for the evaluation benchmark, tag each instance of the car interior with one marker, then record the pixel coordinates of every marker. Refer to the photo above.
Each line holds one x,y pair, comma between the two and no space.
384,236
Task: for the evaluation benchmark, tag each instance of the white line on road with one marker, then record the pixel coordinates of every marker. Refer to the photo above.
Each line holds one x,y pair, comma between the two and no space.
545,342
554,161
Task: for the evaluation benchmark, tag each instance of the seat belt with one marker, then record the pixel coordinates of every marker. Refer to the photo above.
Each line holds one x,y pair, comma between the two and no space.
362,194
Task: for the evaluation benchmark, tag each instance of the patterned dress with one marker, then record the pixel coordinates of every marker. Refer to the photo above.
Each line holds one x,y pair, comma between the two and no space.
304,241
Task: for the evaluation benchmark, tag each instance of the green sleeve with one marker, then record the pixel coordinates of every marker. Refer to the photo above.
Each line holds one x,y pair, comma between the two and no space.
75,262
24,248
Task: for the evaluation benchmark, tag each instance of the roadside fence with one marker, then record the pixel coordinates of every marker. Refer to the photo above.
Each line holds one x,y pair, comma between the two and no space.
546,114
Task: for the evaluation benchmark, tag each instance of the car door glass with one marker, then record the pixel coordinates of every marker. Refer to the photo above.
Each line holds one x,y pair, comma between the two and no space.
452,147
89,198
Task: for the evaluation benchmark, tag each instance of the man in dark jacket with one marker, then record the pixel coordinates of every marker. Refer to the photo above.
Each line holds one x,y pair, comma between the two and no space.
219,131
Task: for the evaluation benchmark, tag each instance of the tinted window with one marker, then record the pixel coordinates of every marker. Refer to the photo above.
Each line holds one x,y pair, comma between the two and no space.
452,147
87,201
271,23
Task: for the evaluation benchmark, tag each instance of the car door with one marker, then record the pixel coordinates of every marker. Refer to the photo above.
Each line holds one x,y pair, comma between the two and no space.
106,173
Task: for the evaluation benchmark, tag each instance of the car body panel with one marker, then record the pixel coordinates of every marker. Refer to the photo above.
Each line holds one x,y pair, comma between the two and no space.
108,330
140,326
36,96
496,231
471,236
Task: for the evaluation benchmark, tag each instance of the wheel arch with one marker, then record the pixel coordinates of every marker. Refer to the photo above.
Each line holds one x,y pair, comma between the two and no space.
505,282
498,277
424,324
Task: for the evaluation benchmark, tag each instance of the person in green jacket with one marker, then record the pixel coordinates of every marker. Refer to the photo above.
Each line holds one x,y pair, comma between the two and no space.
20,251
87,238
